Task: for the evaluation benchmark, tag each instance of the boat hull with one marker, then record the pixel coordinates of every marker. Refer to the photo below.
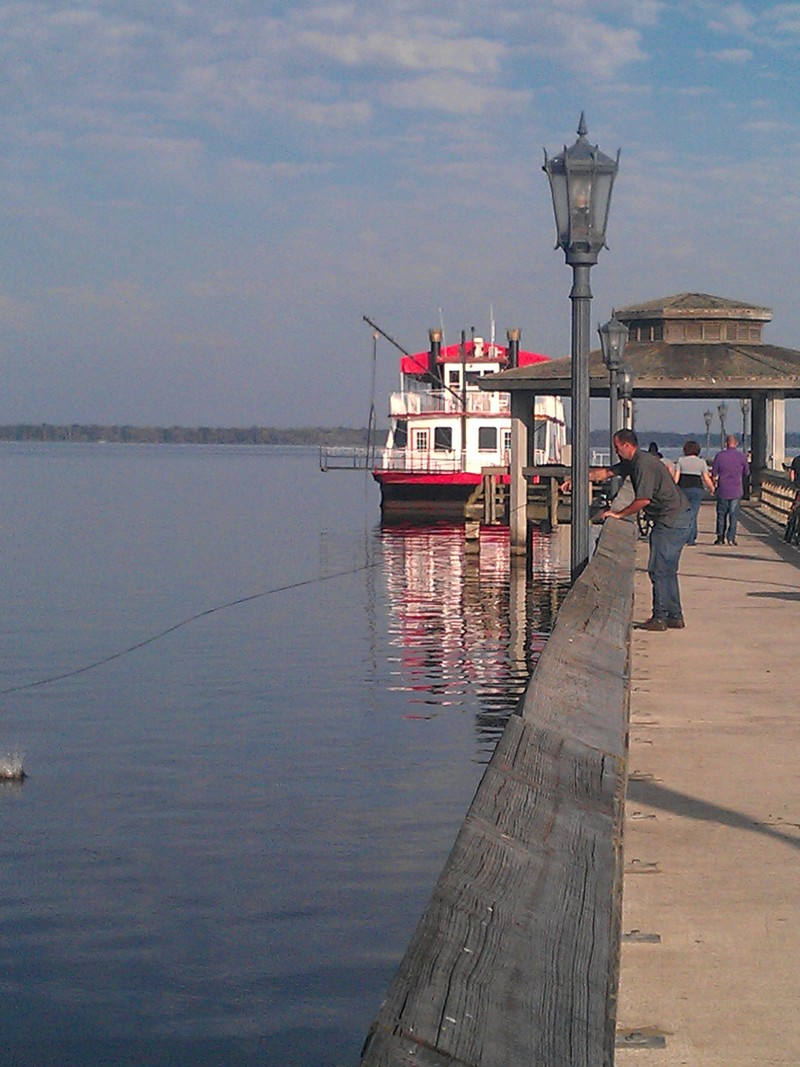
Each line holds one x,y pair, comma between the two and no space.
443,495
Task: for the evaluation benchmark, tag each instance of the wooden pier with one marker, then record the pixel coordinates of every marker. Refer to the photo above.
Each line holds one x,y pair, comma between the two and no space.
710,971
540,944
515,959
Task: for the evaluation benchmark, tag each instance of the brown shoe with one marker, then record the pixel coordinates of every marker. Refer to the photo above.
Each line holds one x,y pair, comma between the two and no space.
676,624
653,625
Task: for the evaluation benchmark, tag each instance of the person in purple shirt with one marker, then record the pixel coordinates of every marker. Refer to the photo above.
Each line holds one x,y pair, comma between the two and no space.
728,472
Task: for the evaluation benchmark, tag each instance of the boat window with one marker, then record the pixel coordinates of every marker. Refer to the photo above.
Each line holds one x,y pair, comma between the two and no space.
487,438
401,433
420,440
506,440
454,377
443,438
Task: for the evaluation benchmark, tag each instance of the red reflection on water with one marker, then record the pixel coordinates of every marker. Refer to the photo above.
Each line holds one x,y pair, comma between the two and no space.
469,626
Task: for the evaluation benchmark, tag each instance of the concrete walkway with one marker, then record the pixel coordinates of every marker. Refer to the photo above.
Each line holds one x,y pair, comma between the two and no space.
712,833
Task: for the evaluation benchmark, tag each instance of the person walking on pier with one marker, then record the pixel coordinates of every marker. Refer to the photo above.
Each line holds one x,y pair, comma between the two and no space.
691,474
728,471
663,502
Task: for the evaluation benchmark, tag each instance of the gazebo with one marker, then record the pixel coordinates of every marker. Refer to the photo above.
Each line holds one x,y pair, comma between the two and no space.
687,347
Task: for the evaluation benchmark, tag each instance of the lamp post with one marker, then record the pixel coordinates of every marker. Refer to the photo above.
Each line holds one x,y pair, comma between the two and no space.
723,414
613,335
581,180
626,379
745,405
708,416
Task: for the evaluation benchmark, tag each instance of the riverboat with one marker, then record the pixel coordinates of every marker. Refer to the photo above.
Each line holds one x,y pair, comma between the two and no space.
446,434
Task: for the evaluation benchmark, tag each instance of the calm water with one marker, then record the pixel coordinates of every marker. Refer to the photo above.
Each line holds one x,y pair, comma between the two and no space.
228,834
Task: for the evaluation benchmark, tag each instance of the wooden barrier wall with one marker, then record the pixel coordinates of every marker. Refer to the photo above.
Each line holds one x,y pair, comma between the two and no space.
516,958
776,495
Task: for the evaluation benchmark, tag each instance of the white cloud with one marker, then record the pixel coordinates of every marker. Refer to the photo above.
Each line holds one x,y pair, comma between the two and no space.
395,47
768,126
732,18
776,26
646,12
589,47
784,18
450,93
732,55
126,301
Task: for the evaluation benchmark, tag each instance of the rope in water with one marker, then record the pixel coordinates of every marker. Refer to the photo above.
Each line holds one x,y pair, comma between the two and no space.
184,622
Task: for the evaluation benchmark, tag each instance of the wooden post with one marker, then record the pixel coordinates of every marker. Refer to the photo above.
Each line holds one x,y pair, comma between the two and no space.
472,535
776,432
552,502
521,419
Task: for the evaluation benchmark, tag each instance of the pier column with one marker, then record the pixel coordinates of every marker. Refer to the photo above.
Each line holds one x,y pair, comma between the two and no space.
776,432
758,432
521,432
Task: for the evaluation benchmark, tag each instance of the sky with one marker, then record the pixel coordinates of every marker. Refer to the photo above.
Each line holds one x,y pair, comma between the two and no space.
202,200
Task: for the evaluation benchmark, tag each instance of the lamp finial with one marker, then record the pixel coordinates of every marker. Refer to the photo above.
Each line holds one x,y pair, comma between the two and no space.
582,127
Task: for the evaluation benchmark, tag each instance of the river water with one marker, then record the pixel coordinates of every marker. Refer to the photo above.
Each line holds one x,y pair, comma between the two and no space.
263,718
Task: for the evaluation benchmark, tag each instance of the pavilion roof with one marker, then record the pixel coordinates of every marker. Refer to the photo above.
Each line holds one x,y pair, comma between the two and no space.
693,306
663,370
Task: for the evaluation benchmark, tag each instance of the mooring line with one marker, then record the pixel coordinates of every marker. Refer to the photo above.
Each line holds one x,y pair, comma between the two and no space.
184,622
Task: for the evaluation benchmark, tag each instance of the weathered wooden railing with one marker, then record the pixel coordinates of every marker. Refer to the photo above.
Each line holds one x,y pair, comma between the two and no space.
515,960
776,494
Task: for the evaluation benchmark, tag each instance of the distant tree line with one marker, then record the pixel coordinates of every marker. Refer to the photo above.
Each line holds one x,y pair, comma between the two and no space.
670,439
341,436
186,435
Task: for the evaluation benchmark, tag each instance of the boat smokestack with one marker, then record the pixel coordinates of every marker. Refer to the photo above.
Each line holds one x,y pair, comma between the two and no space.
434,353
513,347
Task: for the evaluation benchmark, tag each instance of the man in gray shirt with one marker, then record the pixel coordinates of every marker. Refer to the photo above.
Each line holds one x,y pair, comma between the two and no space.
662,501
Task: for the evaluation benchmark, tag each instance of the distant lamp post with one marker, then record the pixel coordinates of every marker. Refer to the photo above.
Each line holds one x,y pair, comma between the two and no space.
722,409
581,180
613,335
708,416
626,380
745,404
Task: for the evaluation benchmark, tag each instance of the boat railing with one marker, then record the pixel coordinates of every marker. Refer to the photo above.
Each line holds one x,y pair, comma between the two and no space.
439,401
419,462
339,458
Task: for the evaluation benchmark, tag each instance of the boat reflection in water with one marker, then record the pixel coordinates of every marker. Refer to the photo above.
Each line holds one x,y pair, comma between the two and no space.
470,626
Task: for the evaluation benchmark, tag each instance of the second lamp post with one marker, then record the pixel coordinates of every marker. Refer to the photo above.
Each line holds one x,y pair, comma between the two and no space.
581,179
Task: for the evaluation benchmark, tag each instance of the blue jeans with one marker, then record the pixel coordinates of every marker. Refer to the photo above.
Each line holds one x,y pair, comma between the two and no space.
727,513
666,545
695,495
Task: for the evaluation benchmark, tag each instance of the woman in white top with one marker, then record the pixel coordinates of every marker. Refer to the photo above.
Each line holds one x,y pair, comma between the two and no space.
691,474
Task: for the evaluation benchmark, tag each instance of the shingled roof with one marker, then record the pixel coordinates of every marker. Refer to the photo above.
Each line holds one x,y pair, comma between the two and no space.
693,305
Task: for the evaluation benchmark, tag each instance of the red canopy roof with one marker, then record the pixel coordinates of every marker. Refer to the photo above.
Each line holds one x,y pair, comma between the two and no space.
418,363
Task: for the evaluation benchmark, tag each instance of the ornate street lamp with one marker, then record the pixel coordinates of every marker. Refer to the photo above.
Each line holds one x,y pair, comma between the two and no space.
581,180
708,416
613,335
723,414
745,405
